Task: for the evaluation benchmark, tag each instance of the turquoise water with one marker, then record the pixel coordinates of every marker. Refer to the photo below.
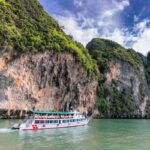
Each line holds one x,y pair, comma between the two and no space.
99,135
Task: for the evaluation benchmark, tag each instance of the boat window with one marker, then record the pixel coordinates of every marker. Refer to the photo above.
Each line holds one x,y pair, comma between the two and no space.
55,121
37,121
47,121
41,121
64,121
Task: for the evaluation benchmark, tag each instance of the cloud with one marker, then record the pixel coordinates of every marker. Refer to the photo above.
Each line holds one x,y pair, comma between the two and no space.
74,29
142,25
84,25
142,44
136,18
78,3
117,35
102,18
121,5
139,41
116,7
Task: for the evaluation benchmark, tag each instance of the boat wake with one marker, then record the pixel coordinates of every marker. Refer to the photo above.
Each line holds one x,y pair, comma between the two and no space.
5,130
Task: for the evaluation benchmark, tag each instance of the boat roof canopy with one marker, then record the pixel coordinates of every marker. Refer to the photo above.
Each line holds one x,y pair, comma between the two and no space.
51,113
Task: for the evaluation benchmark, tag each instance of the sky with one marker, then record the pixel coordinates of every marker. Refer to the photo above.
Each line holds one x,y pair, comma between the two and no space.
124,21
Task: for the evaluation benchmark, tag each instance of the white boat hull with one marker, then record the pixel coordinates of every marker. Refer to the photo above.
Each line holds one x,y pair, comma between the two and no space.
33,126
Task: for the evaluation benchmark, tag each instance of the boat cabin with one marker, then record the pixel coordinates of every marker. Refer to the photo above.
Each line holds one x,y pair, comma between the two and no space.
43,117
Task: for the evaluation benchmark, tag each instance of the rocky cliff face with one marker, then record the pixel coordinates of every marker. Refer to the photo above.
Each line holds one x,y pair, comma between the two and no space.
126,77
123,88
45,81
30,76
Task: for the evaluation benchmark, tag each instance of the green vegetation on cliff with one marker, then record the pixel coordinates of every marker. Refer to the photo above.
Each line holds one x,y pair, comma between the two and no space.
105,50
26,27
119,104
147,68
111,100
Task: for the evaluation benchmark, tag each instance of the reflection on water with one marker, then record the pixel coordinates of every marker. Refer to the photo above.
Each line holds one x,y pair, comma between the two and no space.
55,138
99,135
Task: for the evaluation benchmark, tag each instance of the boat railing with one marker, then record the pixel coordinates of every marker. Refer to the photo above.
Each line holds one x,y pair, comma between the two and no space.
57,117
53,117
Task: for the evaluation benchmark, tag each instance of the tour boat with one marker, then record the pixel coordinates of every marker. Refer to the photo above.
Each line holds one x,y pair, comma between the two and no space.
40,120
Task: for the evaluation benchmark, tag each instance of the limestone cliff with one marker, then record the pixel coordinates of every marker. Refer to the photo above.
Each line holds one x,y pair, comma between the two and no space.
123,76
46,81
40,66
123,89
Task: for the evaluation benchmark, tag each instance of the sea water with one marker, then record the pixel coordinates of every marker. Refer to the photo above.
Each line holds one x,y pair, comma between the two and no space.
98,135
